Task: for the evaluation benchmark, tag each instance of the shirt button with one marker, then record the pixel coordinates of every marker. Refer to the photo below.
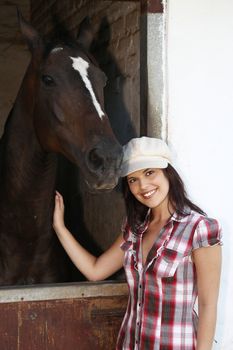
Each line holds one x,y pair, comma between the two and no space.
139,304
140,286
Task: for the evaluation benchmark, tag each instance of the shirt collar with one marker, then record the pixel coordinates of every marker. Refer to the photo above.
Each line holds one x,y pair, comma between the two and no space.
181,217
178,217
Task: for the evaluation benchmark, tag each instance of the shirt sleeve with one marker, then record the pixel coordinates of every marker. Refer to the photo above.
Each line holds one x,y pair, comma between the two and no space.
208,233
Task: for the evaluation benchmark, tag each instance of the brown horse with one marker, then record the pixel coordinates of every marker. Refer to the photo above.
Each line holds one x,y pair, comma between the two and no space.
59,109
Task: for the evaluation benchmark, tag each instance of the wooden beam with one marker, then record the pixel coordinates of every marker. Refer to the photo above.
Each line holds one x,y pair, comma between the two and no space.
149,6
152,6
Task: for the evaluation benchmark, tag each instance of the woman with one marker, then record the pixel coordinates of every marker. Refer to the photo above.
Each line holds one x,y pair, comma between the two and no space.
165,250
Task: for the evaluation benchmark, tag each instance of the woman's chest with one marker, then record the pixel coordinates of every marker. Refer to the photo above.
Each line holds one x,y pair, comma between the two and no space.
149,241
160,252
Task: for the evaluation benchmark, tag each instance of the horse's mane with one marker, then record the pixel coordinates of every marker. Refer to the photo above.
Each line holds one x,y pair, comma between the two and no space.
60,36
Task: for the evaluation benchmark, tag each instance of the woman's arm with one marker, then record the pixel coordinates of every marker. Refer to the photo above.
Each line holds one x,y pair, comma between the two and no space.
208,266
93,268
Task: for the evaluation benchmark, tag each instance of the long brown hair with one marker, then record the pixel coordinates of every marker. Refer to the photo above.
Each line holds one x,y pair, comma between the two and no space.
137,211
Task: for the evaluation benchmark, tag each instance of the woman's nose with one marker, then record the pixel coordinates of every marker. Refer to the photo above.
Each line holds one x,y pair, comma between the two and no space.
143,183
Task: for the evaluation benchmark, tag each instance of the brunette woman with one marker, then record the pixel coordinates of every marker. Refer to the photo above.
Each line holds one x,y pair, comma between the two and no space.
171,252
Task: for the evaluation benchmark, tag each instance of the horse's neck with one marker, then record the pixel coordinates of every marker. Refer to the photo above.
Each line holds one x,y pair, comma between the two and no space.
27,169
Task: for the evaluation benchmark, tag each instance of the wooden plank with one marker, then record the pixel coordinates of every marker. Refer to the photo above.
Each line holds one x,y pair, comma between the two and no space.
152,6
62,291
9,327
82,323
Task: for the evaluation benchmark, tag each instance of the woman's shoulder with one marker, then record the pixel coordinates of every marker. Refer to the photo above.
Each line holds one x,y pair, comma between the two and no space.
207,231
193,216
203,219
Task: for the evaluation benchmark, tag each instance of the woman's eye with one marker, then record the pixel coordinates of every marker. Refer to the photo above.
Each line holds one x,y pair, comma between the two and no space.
131,181
47,80
149,172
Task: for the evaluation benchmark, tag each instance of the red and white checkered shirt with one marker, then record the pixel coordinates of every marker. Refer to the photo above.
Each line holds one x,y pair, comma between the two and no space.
160,313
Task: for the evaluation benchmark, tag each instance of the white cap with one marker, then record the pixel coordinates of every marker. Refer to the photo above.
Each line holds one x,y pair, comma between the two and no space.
145,152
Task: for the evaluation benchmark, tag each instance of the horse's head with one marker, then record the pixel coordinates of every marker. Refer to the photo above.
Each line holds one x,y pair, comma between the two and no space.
68,112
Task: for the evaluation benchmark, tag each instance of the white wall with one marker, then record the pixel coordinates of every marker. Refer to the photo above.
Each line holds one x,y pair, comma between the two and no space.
200,121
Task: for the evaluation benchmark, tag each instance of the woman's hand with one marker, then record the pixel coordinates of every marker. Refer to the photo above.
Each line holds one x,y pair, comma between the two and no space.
58,214
95,269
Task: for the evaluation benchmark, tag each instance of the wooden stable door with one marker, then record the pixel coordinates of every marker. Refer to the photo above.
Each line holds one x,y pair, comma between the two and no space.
82,316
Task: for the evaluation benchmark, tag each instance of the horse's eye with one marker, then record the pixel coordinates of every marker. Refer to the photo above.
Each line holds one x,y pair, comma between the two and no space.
48,80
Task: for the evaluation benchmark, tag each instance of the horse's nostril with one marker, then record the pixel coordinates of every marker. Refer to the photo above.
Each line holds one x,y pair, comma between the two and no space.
96,161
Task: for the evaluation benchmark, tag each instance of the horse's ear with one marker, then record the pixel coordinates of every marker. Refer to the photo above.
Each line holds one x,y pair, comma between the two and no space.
31,36
85,34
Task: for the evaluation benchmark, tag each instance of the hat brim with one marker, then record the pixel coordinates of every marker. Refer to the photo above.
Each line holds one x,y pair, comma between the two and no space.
139,164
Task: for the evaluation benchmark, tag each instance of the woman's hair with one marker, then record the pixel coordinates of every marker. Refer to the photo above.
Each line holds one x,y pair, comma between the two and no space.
136,211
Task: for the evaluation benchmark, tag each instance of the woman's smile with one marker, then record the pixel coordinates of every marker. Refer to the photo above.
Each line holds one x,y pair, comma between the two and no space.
148,194
150,187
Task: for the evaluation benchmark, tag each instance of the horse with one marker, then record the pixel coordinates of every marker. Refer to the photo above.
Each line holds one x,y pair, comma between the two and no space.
59,109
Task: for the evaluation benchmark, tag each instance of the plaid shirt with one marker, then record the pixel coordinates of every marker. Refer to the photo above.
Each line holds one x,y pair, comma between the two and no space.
162,293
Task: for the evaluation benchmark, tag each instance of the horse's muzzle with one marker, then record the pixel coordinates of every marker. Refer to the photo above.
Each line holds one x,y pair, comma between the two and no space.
104,164
103,187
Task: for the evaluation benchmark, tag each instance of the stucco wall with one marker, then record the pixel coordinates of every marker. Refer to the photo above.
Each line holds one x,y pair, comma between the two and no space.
200,123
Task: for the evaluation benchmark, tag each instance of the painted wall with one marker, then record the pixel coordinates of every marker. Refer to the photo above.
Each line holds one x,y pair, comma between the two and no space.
200,121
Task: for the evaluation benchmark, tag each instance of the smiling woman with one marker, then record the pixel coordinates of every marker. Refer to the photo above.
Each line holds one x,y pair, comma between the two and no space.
149,186
170,251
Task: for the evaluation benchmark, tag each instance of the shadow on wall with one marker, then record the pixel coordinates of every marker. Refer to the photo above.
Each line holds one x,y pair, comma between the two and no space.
114,91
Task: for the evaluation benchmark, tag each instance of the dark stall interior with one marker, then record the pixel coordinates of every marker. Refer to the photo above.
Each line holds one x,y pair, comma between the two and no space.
95,219
80,315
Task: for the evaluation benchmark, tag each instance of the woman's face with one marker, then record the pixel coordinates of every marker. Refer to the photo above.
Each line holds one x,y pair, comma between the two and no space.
149,186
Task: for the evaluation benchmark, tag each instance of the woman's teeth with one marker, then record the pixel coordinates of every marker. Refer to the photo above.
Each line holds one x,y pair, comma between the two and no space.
148,194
